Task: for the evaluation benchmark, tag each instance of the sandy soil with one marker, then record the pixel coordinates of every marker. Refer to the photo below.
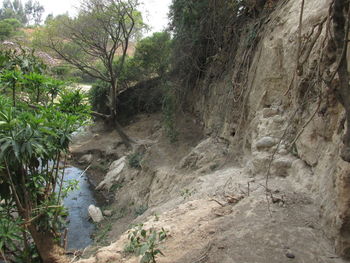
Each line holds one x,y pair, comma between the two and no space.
223,216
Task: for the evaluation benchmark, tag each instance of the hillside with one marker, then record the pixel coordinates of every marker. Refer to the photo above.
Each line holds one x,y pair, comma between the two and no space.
256,174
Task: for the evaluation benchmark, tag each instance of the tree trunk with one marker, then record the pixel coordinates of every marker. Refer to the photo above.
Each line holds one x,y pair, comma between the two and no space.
126,139
113,117
113,100
14,95
49,251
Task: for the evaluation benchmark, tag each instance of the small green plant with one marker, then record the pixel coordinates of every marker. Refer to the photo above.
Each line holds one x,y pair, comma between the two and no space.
141,210
156,217
115,187
135,160
145,243
186,193
102,233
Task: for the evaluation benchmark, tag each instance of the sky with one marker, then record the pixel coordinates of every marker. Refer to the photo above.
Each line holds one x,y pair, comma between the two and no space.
154,11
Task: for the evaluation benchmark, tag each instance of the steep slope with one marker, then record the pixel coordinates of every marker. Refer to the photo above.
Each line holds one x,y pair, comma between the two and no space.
286,107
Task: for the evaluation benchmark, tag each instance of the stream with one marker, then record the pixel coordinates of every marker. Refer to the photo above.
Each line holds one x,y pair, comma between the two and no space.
80,228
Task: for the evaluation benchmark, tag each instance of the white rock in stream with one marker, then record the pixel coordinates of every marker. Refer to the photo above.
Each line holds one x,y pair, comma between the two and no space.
95,213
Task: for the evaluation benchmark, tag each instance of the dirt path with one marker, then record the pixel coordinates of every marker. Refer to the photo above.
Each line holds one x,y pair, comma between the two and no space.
201,230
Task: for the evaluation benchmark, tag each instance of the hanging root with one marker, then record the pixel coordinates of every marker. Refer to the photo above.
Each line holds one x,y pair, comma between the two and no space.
338,80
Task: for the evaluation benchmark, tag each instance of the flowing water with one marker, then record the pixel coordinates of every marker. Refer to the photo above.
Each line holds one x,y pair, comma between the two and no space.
80,228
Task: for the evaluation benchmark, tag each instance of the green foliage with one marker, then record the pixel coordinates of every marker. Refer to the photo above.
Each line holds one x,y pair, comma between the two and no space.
204,31
13,10
152,55
145,243
91,40
10,79
74,102
135,160
9,232
28,138
98,97
115,187
30,13
129,72
151,60
141,210
15,24
60,71
23,60
35,84
169,113
33,139
102,233
8,28
187,193
53,87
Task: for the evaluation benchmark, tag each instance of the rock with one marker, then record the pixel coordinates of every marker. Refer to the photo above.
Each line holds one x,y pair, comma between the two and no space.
281,165
104,256
86,159
269,112
258,164
279,119
114,174
283,162
265,142
302,173
114,165
95,213
345,153
204,155
290,255
107,213
282,150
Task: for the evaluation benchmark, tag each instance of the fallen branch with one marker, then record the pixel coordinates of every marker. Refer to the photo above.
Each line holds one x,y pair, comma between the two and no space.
103,116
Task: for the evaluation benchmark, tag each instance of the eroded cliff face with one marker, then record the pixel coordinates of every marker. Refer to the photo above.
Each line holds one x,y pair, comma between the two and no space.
268,111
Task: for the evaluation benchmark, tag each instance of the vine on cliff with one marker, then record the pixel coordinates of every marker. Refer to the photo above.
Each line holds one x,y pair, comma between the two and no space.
329,69
208,32
338,80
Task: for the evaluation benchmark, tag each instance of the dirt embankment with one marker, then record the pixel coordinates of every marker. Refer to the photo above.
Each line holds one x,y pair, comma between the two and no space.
213,209
209,189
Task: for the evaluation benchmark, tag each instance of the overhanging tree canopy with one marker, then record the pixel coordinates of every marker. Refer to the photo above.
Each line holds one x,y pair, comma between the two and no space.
101,31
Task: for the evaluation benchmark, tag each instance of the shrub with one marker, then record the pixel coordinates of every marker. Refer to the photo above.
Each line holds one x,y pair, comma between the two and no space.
169,113
135,160
98,97
145,243
141,210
